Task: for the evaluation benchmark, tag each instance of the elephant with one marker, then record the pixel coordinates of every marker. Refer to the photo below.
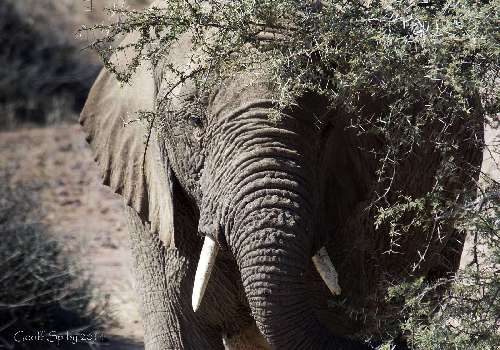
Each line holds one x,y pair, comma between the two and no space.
244,230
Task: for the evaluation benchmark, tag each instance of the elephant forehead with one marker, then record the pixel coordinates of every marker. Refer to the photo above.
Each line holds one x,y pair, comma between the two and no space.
244,89
211,95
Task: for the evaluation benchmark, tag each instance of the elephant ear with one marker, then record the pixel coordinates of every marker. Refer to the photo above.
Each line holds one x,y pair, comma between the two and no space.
132,163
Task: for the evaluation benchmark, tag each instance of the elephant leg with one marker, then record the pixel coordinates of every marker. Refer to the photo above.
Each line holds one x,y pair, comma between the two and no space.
164,287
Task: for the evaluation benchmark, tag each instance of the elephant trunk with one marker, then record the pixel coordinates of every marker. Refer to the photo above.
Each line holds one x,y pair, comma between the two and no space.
260,183
273,247
272,276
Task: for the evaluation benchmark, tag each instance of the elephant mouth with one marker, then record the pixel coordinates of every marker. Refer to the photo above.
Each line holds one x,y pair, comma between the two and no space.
208,255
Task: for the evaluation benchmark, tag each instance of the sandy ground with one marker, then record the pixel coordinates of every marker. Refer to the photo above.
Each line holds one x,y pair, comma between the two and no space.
86,216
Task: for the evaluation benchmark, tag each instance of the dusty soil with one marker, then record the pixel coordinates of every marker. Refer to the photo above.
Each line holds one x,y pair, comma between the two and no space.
84,215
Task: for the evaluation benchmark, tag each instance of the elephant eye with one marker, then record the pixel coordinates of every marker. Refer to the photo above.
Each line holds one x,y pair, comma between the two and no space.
195,121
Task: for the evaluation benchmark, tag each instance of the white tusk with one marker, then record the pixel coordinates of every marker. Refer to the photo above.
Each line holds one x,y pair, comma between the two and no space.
327,271
205,264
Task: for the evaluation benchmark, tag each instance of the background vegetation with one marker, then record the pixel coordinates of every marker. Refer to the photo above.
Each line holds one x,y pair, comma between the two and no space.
434,64
43,75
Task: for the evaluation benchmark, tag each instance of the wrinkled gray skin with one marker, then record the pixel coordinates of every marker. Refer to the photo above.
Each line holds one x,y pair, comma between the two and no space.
271,194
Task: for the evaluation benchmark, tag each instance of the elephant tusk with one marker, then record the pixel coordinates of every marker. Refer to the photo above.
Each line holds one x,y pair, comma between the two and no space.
327,271
205,264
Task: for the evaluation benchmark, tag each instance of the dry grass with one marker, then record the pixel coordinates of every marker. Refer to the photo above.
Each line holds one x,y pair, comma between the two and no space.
47,291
